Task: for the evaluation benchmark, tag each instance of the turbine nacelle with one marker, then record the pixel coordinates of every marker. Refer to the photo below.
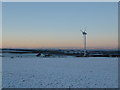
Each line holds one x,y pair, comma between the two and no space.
83,32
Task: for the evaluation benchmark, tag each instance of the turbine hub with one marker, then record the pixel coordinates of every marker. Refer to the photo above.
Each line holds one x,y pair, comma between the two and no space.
84,33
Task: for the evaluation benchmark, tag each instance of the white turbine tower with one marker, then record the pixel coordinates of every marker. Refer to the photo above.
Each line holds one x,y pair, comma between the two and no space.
84,37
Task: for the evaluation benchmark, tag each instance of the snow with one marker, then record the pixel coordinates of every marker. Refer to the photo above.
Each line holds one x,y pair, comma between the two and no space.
14,55
0,72
82,72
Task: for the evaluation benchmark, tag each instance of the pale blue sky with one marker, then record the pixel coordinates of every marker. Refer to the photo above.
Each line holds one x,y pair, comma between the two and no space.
1,25
37,25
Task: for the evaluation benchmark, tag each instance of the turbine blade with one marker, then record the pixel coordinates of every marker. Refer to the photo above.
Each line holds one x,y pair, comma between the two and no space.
81,30
85,28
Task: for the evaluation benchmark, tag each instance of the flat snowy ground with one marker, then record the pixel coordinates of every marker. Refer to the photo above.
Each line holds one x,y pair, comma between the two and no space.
36,72
0,72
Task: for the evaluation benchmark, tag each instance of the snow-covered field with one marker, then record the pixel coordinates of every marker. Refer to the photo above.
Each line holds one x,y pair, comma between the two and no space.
36,72
0,72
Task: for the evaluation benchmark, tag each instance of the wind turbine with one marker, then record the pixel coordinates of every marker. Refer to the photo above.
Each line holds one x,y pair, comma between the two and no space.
84,37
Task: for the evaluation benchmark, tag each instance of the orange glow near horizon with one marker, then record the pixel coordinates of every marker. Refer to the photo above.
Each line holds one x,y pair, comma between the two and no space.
53,44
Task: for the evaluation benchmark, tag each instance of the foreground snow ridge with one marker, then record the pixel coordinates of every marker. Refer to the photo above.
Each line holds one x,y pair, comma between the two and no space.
60,72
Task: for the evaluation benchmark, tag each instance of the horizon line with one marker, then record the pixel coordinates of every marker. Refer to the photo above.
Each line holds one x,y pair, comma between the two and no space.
68,48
